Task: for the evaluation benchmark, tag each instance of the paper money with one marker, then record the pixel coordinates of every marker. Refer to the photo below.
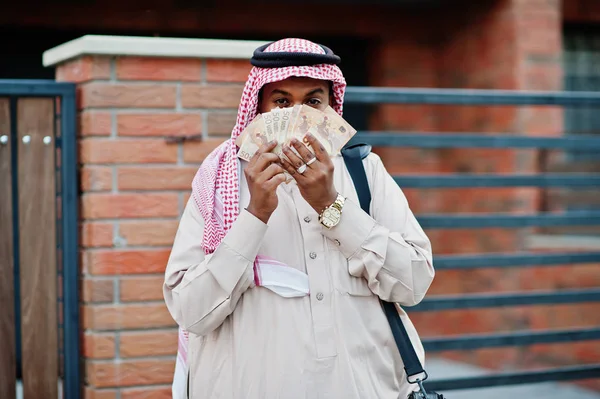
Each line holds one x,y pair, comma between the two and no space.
328,127
339,131
254,139
276,115
240,139
268,122
284,124
287,118
315,122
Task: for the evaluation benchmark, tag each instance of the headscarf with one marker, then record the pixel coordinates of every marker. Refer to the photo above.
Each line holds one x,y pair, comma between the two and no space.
215,188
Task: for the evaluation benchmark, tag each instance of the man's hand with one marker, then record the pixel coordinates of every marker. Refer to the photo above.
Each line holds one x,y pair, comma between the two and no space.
316,183
264,174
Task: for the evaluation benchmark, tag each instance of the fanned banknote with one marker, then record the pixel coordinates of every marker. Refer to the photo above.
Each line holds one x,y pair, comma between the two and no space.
276,116
332,131
253,140
339,132
288,116
269,125
240,139
284,124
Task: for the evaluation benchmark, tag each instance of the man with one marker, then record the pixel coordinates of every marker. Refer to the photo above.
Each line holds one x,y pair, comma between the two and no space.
257,337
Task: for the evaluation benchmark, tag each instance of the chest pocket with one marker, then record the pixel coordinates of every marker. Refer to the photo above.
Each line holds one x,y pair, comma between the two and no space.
343,281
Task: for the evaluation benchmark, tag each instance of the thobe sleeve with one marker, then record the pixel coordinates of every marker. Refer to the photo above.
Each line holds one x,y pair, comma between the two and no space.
390,249
201,291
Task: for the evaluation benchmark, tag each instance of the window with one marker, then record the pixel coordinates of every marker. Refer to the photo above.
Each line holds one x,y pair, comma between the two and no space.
581,65
582,73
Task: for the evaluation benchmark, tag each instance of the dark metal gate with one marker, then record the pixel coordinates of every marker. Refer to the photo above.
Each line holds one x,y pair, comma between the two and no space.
369,95
39,322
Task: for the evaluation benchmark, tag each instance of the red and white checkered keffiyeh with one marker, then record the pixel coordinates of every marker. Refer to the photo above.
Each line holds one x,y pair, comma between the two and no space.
215,187
217,179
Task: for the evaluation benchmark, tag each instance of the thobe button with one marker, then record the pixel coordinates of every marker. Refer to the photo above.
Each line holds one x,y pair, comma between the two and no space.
307,219
338,242
319,296
313,255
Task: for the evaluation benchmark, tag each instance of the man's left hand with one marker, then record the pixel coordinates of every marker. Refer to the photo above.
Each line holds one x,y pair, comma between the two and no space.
316,182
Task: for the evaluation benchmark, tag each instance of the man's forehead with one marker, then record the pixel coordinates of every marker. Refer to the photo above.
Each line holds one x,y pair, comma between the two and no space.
296,83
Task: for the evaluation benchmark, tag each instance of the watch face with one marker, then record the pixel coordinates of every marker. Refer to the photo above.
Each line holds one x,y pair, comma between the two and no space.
331,217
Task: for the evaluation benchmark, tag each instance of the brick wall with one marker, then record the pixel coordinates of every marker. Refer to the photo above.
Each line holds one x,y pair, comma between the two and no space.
506,44
133,189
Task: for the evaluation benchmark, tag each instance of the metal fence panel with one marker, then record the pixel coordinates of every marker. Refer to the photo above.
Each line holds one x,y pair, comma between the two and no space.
67,224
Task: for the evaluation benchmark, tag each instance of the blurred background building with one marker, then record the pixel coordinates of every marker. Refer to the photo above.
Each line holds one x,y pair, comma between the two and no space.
134,184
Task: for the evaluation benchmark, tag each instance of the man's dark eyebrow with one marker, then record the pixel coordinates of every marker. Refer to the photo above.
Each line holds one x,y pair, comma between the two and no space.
279,91
318,90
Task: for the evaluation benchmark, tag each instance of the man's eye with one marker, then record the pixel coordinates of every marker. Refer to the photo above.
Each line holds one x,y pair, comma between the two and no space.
313,101
281,102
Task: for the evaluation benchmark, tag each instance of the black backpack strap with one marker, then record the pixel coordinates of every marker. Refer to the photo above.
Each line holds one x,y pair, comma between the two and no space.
353,156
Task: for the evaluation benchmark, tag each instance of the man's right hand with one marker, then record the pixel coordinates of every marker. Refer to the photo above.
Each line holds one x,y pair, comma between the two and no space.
264,174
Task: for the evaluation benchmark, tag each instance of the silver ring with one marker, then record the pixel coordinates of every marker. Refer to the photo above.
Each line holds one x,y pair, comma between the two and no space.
301,169
311,161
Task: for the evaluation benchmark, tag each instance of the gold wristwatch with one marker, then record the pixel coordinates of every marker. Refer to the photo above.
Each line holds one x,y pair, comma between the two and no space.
331,215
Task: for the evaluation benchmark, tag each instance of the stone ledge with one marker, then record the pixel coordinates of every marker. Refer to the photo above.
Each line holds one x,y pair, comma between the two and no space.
150,47
563,242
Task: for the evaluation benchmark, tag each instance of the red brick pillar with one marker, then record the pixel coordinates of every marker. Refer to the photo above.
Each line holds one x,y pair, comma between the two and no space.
135,185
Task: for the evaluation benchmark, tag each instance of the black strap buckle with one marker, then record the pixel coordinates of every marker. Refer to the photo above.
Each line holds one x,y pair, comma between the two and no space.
417,380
